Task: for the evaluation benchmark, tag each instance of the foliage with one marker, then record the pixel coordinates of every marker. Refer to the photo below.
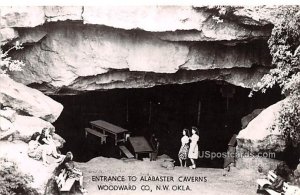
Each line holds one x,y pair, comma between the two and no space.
288,120
7,64
13,182
284,45
285,51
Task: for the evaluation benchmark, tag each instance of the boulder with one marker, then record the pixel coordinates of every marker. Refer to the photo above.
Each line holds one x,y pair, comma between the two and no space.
7,117
257,136
27,125
27,100
8,113
246,119
255,163
7,34
5,124
17,152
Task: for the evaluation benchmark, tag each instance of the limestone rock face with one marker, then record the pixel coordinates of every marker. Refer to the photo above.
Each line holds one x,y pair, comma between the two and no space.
27,100
68,45
5,124
257,137
30,36
246,119
8,114
126,79
72,52
60,13
19,16
26,126
261,15
7,34
149,18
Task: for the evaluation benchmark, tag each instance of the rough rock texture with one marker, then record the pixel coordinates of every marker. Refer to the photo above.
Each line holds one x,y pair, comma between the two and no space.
7,34
67,45
31,35
22,127
75,52
5,124
17,152
253,163
19,16
257,145
27,100
27,125
261,15
16,128
125,79
149,18
257,137
8,114
246,119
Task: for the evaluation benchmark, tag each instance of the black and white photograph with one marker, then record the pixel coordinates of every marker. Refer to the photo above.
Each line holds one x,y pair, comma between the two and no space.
150,99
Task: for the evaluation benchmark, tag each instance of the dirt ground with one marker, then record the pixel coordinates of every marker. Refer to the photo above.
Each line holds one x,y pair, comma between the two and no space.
201,180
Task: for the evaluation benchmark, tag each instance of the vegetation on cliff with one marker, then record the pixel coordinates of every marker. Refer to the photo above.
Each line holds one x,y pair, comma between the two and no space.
12,181
284,45
7,64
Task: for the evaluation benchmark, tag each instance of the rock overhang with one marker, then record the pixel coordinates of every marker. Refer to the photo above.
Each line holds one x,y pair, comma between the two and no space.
70,46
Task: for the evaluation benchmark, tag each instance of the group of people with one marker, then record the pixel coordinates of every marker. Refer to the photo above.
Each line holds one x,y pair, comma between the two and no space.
42,145
189,147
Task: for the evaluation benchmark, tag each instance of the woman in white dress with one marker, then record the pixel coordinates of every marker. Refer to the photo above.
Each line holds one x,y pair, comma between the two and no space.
193,151
184,149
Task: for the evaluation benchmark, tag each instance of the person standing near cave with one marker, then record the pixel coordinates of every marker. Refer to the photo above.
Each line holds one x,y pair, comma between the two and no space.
184,149
193,151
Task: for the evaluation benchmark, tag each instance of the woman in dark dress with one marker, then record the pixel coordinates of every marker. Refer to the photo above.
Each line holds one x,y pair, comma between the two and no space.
184,149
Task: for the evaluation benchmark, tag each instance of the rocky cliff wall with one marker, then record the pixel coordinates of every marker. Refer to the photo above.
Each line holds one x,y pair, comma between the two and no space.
24,111
73,49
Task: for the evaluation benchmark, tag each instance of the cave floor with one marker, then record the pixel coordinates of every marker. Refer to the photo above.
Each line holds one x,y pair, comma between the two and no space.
235,182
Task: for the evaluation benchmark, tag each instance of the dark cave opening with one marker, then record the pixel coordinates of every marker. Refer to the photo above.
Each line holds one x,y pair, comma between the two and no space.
215,107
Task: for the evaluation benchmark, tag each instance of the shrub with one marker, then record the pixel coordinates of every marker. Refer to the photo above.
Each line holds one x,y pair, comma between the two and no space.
13,182
7,64
284,45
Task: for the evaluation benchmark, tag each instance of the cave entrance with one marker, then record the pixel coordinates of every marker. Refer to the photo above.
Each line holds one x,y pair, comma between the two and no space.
215,107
